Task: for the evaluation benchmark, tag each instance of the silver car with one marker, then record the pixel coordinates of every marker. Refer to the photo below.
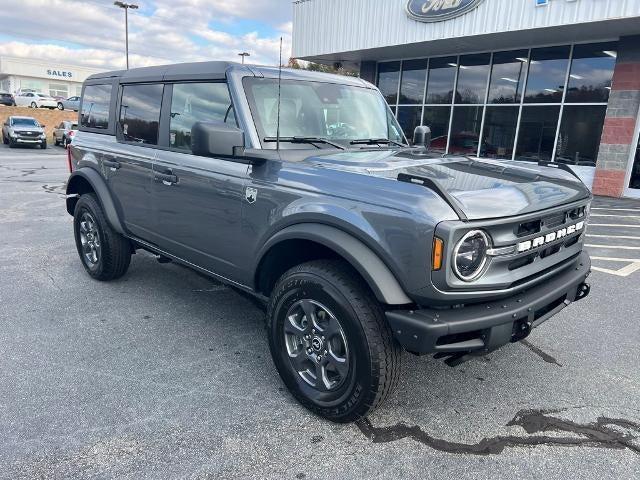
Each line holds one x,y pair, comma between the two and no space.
64,132
23,131
71,103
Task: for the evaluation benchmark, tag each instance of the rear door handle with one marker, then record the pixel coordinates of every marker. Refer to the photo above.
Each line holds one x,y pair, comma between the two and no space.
165,178
112,164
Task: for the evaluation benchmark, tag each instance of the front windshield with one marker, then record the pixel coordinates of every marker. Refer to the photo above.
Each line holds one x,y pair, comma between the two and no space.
334,112
29,122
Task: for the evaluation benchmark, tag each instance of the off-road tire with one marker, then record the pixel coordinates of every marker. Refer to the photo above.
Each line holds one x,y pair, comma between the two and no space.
115,250
374,353
4,140
43,145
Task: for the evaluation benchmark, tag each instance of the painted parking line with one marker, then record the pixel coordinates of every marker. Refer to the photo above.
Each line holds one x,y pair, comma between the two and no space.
614,216
613,247
621,237
612,209
623,272
614,225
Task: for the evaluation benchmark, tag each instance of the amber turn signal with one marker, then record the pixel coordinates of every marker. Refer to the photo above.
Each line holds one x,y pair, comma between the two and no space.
438,251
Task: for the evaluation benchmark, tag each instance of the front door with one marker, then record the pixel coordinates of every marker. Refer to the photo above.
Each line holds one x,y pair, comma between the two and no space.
198,200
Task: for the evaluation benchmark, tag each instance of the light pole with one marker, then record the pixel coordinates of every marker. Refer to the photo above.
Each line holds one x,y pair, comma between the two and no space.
243,55
126,7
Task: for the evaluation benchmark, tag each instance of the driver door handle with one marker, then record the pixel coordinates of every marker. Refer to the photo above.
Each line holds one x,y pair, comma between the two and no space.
166,178
112,164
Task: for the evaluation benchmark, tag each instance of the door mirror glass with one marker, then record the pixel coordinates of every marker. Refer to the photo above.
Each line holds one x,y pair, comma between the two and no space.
216,139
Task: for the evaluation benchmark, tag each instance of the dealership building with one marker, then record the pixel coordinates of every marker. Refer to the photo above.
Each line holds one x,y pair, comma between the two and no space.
536,80
58,79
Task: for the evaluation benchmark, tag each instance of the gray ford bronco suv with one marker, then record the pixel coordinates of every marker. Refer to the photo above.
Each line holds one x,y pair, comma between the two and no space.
301,189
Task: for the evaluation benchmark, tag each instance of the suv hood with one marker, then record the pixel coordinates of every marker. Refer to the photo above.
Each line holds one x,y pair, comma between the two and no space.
27,128
482,188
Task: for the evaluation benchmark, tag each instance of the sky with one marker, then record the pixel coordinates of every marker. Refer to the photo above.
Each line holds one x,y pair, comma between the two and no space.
91,32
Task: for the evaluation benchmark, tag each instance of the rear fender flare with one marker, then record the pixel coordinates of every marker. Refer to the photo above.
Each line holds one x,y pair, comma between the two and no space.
378,276
101,190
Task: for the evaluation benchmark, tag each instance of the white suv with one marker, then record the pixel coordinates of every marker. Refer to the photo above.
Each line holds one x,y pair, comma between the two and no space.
35,100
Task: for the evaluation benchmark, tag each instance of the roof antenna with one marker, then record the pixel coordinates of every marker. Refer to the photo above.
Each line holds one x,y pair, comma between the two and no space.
279,89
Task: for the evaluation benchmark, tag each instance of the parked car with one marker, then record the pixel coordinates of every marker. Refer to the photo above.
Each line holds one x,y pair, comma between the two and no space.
305,194
23,131
63,133
7,99
35,100
71,103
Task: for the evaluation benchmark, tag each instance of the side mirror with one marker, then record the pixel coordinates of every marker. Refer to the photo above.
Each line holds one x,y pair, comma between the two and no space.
216,139
422,137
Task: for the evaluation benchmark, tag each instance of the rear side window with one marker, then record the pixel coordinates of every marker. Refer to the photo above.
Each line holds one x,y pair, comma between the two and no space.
95,106
140,113
197,102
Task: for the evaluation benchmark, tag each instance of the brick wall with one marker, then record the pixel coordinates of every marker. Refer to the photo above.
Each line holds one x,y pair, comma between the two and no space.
49,118
616,145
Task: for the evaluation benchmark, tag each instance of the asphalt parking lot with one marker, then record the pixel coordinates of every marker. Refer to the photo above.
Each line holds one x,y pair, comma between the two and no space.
167,374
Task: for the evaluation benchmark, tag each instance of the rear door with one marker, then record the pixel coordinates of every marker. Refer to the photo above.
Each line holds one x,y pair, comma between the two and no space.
129,164
198,199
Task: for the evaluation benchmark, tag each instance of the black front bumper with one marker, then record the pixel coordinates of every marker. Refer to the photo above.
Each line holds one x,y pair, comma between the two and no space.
484,327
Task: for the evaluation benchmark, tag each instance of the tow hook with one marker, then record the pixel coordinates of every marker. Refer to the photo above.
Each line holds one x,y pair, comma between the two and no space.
583,291
521,330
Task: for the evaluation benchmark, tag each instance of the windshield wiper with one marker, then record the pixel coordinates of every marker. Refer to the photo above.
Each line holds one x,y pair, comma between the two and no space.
310,140
374,141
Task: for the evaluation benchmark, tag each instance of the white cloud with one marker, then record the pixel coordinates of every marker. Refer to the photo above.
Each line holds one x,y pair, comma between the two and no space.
163,31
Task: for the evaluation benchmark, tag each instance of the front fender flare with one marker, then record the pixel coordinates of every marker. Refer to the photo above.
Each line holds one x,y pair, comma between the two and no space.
378,276
100,188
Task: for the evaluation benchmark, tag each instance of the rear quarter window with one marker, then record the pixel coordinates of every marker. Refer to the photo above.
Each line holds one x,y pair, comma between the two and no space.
95,106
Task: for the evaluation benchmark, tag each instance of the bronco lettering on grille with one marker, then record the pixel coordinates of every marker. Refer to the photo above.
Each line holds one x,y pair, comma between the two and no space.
550,237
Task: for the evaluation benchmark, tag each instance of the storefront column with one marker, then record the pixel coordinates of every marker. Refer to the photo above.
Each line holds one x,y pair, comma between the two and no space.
619,125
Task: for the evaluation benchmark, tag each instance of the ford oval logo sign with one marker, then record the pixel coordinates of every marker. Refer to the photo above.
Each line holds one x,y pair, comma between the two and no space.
439,10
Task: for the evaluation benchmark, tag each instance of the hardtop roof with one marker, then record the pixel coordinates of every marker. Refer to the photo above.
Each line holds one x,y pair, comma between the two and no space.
218,71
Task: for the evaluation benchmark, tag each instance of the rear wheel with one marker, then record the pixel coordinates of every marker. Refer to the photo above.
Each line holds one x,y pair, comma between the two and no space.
34,105
105,254
330,341
60,106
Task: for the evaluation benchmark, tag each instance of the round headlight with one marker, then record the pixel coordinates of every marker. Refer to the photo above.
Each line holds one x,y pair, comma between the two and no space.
470,255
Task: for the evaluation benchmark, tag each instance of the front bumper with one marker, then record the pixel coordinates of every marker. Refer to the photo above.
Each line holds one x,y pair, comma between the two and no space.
487,326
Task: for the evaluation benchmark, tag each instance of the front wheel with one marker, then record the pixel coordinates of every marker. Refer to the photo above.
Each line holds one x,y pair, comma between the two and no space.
60,106
330,341
105,254
34,105
43,145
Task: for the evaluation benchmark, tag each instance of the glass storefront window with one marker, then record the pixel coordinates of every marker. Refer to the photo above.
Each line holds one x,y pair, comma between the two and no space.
414,76
547,74
580,132
472,78
437,119
442,74
59,90
465,130
388,79
591,73
499,132
409,119
507,76
537,135
634,181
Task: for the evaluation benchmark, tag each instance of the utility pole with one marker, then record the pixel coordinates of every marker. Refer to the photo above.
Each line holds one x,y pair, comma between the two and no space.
243,55
126,7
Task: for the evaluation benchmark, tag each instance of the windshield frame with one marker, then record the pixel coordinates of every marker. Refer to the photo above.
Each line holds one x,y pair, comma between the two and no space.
346,143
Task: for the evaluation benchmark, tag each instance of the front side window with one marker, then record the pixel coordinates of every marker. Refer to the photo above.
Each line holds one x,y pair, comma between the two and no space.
197,102
340,113
95,106
140,113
